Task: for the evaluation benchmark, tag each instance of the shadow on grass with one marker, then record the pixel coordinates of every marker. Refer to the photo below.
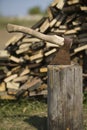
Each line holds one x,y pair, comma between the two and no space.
40,123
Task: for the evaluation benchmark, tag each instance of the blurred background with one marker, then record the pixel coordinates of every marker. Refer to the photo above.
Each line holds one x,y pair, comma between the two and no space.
20,12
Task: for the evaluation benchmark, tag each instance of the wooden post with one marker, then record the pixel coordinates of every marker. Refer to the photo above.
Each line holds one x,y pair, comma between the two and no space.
64,97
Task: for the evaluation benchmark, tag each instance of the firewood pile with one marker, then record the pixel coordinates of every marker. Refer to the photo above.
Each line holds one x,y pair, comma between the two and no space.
26,55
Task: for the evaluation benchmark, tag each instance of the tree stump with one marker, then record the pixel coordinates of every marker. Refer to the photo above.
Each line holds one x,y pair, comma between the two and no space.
65,102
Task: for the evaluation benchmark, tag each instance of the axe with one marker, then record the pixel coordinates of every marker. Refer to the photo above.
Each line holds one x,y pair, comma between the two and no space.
62,57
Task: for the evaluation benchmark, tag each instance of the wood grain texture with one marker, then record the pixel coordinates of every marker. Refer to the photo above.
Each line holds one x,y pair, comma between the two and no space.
64,97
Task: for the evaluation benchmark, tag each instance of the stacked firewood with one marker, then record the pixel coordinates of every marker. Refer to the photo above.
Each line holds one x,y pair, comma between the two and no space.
26,56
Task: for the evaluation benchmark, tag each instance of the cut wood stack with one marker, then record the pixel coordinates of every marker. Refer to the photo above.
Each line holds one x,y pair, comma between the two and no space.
28,53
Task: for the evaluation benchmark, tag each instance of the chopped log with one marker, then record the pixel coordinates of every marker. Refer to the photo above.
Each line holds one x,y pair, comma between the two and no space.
70,2
84,75
70,18
34,84
42,87
9,78
25,45
60,4
12,85
5,96
58,31
21,78
62,27
53,39
54,2
34,65
2,87
15,39
4,54
25,71
34,93
80,49
44,26
48,44
72,9
22,50
30,85
30,40
83,8
15,59
50,14
50,52
43,70
83,35
36,56
72,31
38,61
53,22
11,91
59,22
13,70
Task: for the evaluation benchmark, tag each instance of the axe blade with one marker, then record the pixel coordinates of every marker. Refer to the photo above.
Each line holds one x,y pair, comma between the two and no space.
63,55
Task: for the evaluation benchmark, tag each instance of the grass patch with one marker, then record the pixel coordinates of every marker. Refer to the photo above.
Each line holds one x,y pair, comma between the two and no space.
27,114
22,107
85,115
23,114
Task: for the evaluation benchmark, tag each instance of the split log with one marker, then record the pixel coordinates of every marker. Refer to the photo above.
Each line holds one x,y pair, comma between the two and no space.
54,2
34,93
79,49
5,96
30,40
50,14
9,78
11,91
30,85
15,39
12,85
15,59
70,2
60,4
36,56
43,70
21,78
22,50
4,54
50,52
44,26
53,22
25,71
2,87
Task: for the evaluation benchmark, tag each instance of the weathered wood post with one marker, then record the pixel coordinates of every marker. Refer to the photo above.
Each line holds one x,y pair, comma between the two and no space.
65,97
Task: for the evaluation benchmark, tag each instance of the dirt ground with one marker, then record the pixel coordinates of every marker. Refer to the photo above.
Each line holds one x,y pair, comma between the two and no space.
4,37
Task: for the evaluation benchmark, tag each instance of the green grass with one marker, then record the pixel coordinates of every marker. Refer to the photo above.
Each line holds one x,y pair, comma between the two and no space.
27,114
23,114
